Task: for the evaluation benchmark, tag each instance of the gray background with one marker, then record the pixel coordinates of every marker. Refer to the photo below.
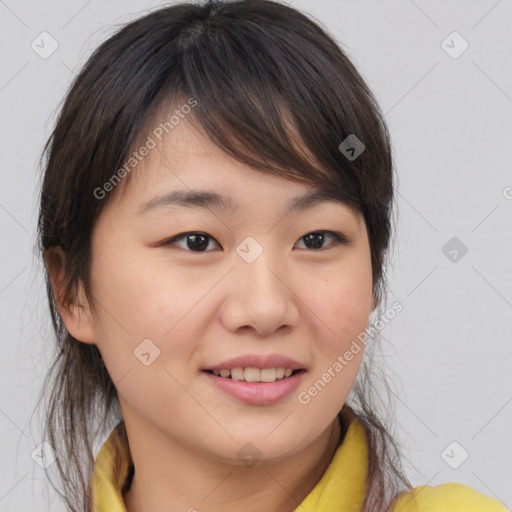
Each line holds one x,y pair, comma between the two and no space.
450,348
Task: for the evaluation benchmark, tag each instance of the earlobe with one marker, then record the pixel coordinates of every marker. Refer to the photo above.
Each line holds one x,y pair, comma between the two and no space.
76,316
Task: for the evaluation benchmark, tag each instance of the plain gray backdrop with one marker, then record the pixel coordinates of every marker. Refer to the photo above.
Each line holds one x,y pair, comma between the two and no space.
447,99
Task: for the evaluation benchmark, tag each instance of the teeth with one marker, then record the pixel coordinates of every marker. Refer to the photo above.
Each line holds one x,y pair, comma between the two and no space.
237,373
268,375
254,374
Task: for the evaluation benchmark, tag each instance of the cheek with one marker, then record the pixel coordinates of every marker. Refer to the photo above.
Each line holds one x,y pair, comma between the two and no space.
341,315
138,302
340,303
340,306
144,334
136,298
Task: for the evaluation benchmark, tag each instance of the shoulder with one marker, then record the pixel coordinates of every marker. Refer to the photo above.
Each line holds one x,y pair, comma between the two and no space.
449,497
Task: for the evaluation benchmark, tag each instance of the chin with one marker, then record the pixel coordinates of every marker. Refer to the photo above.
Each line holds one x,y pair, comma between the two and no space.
269,447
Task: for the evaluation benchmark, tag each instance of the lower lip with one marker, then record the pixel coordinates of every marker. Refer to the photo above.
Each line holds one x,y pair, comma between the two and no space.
258,393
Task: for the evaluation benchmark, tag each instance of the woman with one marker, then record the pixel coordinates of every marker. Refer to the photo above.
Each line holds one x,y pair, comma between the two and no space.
215,215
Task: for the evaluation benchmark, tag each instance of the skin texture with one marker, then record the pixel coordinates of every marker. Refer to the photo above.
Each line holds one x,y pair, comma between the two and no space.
201,307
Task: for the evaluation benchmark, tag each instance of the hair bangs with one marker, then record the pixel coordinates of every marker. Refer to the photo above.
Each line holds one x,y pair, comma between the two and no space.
249,104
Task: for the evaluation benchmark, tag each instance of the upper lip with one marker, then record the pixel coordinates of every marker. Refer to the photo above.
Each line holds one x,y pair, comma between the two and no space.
258,361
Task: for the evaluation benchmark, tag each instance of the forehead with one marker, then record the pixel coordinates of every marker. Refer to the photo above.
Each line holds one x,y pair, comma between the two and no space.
176,138
186,157
185,168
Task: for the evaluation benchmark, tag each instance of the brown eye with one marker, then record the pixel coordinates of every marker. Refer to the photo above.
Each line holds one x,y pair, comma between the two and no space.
315,239
195,241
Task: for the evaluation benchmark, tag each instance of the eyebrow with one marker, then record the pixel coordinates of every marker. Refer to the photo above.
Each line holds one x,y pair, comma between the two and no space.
213,200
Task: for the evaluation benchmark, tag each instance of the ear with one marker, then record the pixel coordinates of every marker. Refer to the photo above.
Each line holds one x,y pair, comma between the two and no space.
77,317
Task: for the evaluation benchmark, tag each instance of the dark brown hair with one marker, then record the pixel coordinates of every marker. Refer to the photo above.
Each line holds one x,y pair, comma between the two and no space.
264,76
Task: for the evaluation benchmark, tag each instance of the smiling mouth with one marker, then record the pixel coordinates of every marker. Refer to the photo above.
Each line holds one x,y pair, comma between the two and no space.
266,375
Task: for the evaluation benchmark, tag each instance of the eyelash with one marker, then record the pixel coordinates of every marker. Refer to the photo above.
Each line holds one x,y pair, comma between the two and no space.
339,239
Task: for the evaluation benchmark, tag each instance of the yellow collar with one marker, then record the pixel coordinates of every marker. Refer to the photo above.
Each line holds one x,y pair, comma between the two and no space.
341,488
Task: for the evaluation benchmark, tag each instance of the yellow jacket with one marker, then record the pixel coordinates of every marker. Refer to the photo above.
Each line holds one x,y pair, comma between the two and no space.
341,488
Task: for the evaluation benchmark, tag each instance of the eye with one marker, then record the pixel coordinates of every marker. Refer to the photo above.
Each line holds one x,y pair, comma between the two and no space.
197,241
316,238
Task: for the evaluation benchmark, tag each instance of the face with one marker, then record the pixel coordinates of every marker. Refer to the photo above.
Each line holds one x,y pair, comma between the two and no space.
256,279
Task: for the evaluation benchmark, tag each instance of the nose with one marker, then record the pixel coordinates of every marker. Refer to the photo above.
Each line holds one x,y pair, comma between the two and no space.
260,297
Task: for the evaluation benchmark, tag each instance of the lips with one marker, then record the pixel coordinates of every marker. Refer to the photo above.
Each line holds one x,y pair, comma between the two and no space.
265,385
256,393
